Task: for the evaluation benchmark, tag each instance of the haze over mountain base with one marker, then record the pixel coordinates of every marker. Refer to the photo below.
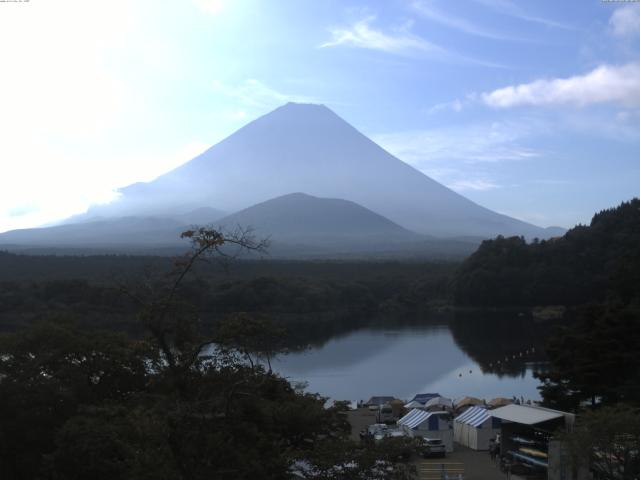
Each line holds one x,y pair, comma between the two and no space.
356,198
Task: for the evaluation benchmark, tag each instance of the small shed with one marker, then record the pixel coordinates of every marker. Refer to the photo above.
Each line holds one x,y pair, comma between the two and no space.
475,427
420,423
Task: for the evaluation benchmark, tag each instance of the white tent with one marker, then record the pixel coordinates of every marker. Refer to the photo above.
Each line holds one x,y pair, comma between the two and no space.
439,403
475,427
419,423
414,404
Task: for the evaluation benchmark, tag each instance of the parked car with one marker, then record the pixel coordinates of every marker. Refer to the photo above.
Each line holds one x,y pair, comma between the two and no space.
385,414
432,447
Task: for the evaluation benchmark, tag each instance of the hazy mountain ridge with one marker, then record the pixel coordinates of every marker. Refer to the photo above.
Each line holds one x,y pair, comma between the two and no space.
357,198
308,148
297,225
102,232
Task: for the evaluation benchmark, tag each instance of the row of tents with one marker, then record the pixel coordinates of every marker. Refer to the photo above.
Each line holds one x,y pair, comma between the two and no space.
467,421
473,428
429,401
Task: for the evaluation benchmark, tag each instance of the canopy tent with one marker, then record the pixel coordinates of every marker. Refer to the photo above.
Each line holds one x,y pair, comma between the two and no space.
474,427
499,402
439,403
417,417
424,397
420,423
414,404
468,402
529,415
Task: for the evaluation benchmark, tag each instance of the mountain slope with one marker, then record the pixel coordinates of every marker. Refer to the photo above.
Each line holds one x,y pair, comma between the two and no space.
297,225
131,231
302,217
300,147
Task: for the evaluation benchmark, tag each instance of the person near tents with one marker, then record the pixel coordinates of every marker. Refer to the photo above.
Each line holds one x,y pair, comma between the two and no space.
493,449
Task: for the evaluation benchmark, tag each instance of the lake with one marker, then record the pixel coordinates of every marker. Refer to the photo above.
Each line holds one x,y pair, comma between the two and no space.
484,360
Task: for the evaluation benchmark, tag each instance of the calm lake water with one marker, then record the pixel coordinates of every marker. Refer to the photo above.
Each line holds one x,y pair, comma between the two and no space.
403,361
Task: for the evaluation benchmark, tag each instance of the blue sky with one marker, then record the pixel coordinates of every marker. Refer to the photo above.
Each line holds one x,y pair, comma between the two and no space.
528,108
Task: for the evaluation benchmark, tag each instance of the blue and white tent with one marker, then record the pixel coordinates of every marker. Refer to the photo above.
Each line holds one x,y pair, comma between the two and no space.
424,397
420,423
474,427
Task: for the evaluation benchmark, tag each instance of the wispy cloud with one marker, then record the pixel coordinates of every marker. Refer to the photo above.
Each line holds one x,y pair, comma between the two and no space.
361,35
479,185
476,143
399,41
625,21
466,157
507,7
429,11
605,84
254,93
455,105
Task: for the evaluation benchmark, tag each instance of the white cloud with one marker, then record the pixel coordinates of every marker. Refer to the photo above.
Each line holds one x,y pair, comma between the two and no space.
625,21
400,41
361,35
254,93
605,84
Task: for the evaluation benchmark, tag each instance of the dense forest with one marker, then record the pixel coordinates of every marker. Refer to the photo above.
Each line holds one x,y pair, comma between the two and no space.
312,300
587,264
78,402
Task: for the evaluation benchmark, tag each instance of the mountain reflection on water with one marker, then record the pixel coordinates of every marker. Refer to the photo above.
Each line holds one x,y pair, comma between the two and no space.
466,354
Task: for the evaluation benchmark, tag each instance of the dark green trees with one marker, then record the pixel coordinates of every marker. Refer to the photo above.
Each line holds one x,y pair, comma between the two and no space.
596,360
587,264
84,404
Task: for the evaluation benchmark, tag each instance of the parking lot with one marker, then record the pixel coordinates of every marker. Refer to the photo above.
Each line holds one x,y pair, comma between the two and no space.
472,465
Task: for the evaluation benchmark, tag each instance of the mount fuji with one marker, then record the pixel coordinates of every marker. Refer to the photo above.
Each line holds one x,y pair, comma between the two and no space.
299,148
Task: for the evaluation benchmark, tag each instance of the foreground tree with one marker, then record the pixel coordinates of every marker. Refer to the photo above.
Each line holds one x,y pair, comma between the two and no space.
608,441
78,404
596,360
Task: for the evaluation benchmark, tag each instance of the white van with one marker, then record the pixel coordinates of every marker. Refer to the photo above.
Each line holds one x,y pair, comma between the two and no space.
385,414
